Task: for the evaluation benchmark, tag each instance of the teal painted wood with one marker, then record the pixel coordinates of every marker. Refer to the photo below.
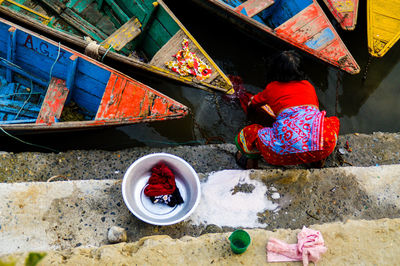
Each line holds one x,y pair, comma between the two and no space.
78,5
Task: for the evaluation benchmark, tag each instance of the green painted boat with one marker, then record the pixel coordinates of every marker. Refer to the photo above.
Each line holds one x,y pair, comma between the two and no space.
140,33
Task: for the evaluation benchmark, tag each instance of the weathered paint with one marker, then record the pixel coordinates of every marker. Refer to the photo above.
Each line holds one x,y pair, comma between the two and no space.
123,100
308,29
123,35
253,7
11,47
126,99
70,21
46,19
321,39
383,21
282,11
344,11
53,102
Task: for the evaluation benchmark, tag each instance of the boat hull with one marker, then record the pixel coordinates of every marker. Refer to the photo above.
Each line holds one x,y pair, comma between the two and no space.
155,36
40,77
308,30
344,11
383,21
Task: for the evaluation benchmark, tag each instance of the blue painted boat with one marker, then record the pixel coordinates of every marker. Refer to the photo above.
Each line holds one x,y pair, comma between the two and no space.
300,23
45,86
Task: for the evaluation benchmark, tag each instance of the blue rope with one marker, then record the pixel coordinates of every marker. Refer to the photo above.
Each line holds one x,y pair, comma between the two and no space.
27,99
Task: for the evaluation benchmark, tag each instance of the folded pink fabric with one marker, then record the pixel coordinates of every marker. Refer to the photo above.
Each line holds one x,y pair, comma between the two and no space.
309,247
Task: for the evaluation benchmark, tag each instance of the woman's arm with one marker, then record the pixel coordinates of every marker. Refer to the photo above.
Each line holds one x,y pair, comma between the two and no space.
260,98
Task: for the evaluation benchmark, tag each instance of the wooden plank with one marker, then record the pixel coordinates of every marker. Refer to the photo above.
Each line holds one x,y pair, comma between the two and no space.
20,71
253,7
164,17
117,9
71,75
45,18
75,20
11,47
309,30
133,8
123,35
148,23
53,102
78,5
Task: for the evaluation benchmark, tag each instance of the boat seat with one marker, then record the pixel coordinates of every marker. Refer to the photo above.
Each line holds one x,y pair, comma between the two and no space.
126,33
53,102
251,8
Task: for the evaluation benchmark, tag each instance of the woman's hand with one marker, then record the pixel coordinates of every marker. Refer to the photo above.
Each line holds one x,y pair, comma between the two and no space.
251,99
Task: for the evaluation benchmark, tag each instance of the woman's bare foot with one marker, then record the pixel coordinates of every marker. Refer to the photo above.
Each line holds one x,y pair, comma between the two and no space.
244,162
318,164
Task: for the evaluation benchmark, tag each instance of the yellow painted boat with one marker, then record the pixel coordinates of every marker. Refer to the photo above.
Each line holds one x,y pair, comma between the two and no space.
383,20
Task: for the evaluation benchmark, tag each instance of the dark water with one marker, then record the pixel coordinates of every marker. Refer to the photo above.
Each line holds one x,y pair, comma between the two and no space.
363,106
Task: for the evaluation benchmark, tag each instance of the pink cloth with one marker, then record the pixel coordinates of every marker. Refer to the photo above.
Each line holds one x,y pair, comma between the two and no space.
309,247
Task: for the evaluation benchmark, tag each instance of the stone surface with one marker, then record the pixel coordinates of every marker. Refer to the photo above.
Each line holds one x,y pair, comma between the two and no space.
71,219
117,234
68,214
351,243
367,150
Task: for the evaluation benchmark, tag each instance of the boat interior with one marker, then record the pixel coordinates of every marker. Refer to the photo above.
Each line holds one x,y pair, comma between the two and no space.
38,80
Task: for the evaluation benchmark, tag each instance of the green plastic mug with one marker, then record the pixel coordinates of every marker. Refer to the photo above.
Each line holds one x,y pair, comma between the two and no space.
240,240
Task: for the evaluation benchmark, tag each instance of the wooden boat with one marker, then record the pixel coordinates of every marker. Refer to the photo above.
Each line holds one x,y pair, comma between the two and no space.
345,12
383,21
45,86
140,33
301,23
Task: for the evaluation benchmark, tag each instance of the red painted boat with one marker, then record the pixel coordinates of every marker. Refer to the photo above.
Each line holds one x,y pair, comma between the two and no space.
301,23
344,11
45,86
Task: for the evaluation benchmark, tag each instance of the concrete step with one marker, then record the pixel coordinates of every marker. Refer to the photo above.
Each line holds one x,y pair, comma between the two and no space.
362,150
68,214
358,242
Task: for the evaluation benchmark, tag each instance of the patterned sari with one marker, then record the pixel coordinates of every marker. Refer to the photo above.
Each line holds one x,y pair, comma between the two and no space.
299,135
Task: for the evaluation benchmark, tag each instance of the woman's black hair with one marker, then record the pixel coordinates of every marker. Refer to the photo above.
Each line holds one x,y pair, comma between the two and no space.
285,67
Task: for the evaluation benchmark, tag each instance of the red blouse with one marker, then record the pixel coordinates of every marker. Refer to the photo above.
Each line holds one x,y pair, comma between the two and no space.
282,95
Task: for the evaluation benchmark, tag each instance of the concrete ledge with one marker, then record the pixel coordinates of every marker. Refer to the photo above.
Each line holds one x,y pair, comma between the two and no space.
351,243
68,214
366,150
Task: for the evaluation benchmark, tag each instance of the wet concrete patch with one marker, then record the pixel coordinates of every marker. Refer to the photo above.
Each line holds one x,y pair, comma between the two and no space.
328,195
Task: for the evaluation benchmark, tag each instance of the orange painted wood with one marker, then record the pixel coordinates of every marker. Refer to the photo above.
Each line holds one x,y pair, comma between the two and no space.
53,102
253,7
125,99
